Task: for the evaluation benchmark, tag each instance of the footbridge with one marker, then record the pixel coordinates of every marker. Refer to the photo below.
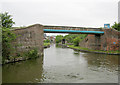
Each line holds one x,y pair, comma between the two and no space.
72,30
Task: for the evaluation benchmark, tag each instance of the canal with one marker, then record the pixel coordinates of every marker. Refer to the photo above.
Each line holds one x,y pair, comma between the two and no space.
63,65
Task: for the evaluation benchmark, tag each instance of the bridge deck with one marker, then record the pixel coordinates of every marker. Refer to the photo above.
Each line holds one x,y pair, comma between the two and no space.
72,31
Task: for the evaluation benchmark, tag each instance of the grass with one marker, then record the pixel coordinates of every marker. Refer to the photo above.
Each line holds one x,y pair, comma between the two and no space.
90,50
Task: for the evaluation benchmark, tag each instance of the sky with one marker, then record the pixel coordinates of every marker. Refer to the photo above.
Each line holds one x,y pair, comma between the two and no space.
80,13
119,12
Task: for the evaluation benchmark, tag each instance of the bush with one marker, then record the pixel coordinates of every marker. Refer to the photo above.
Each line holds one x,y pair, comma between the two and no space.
32,53
47,41
46,44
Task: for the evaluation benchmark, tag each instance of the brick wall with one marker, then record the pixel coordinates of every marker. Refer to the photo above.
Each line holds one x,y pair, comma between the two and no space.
110,41
88,42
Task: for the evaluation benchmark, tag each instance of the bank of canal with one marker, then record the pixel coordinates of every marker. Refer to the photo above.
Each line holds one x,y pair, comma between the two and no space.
64,65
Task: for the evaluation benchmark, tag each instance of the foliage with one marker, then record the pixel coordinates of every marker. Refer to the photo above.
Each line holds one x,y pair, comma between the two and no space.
69,38
76,41
58,38
7,35
6,20
116,26
7,38
75,38
0,35
47,41
32,53
46,44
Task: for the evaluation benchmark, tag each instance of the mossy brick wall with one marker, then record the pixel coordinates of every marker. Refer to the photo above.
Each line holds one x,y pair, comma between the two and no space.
29,38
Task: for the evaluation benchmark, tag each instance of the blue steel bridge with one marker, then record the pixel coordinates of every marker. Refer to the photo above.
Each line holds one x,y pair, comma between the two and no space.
72,30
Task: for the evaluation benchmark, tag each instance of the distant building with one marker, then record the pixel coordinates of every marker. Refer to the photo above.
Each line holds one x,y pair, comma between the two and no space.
119,11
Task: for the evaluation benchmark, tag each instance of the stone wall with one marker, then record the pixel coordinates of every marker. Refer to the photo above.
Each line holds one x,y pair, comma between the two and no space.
29,38
109,41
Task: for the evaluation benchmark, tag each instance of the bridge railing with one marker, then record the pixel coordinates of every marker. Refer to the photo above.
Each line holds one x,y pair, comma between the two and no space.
72,28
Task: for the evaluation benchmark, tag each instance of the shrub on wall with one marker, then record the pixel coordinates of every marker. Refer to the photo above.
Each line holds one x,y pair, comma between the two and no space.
32,53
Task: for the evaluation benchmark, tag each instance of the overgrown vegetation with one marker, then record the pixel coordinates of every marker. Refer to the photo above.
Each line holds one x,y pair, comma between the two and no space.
116,26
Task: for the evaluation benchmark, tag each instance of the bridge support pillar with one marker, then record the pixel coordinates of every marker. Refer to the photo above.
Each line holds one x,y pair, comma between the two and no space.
97,42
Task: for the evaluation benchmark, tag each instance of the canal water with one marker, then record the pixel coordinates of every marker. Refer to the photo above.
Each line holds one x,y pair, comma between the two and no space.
64,65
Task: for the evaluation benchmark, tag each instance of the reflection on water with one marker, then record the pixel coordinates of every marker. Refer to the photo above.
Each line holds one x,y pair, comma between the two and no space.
108,62
64,65
25,71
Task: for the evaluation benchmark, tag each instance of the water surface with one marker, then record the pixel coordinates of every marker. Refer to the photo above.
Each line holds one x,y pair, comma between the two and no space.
64,65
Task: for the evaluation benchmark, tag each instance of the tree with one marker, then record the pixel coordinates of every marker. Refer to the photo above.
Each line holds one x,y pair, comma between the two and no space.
116,26
58,38
76,41
6,23
7,38
6,20
70,37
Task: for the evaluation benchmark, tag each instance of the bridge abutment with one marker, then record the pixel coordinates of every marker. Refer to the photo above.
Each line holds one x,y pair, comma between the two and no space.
97,42
110,40
29,38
